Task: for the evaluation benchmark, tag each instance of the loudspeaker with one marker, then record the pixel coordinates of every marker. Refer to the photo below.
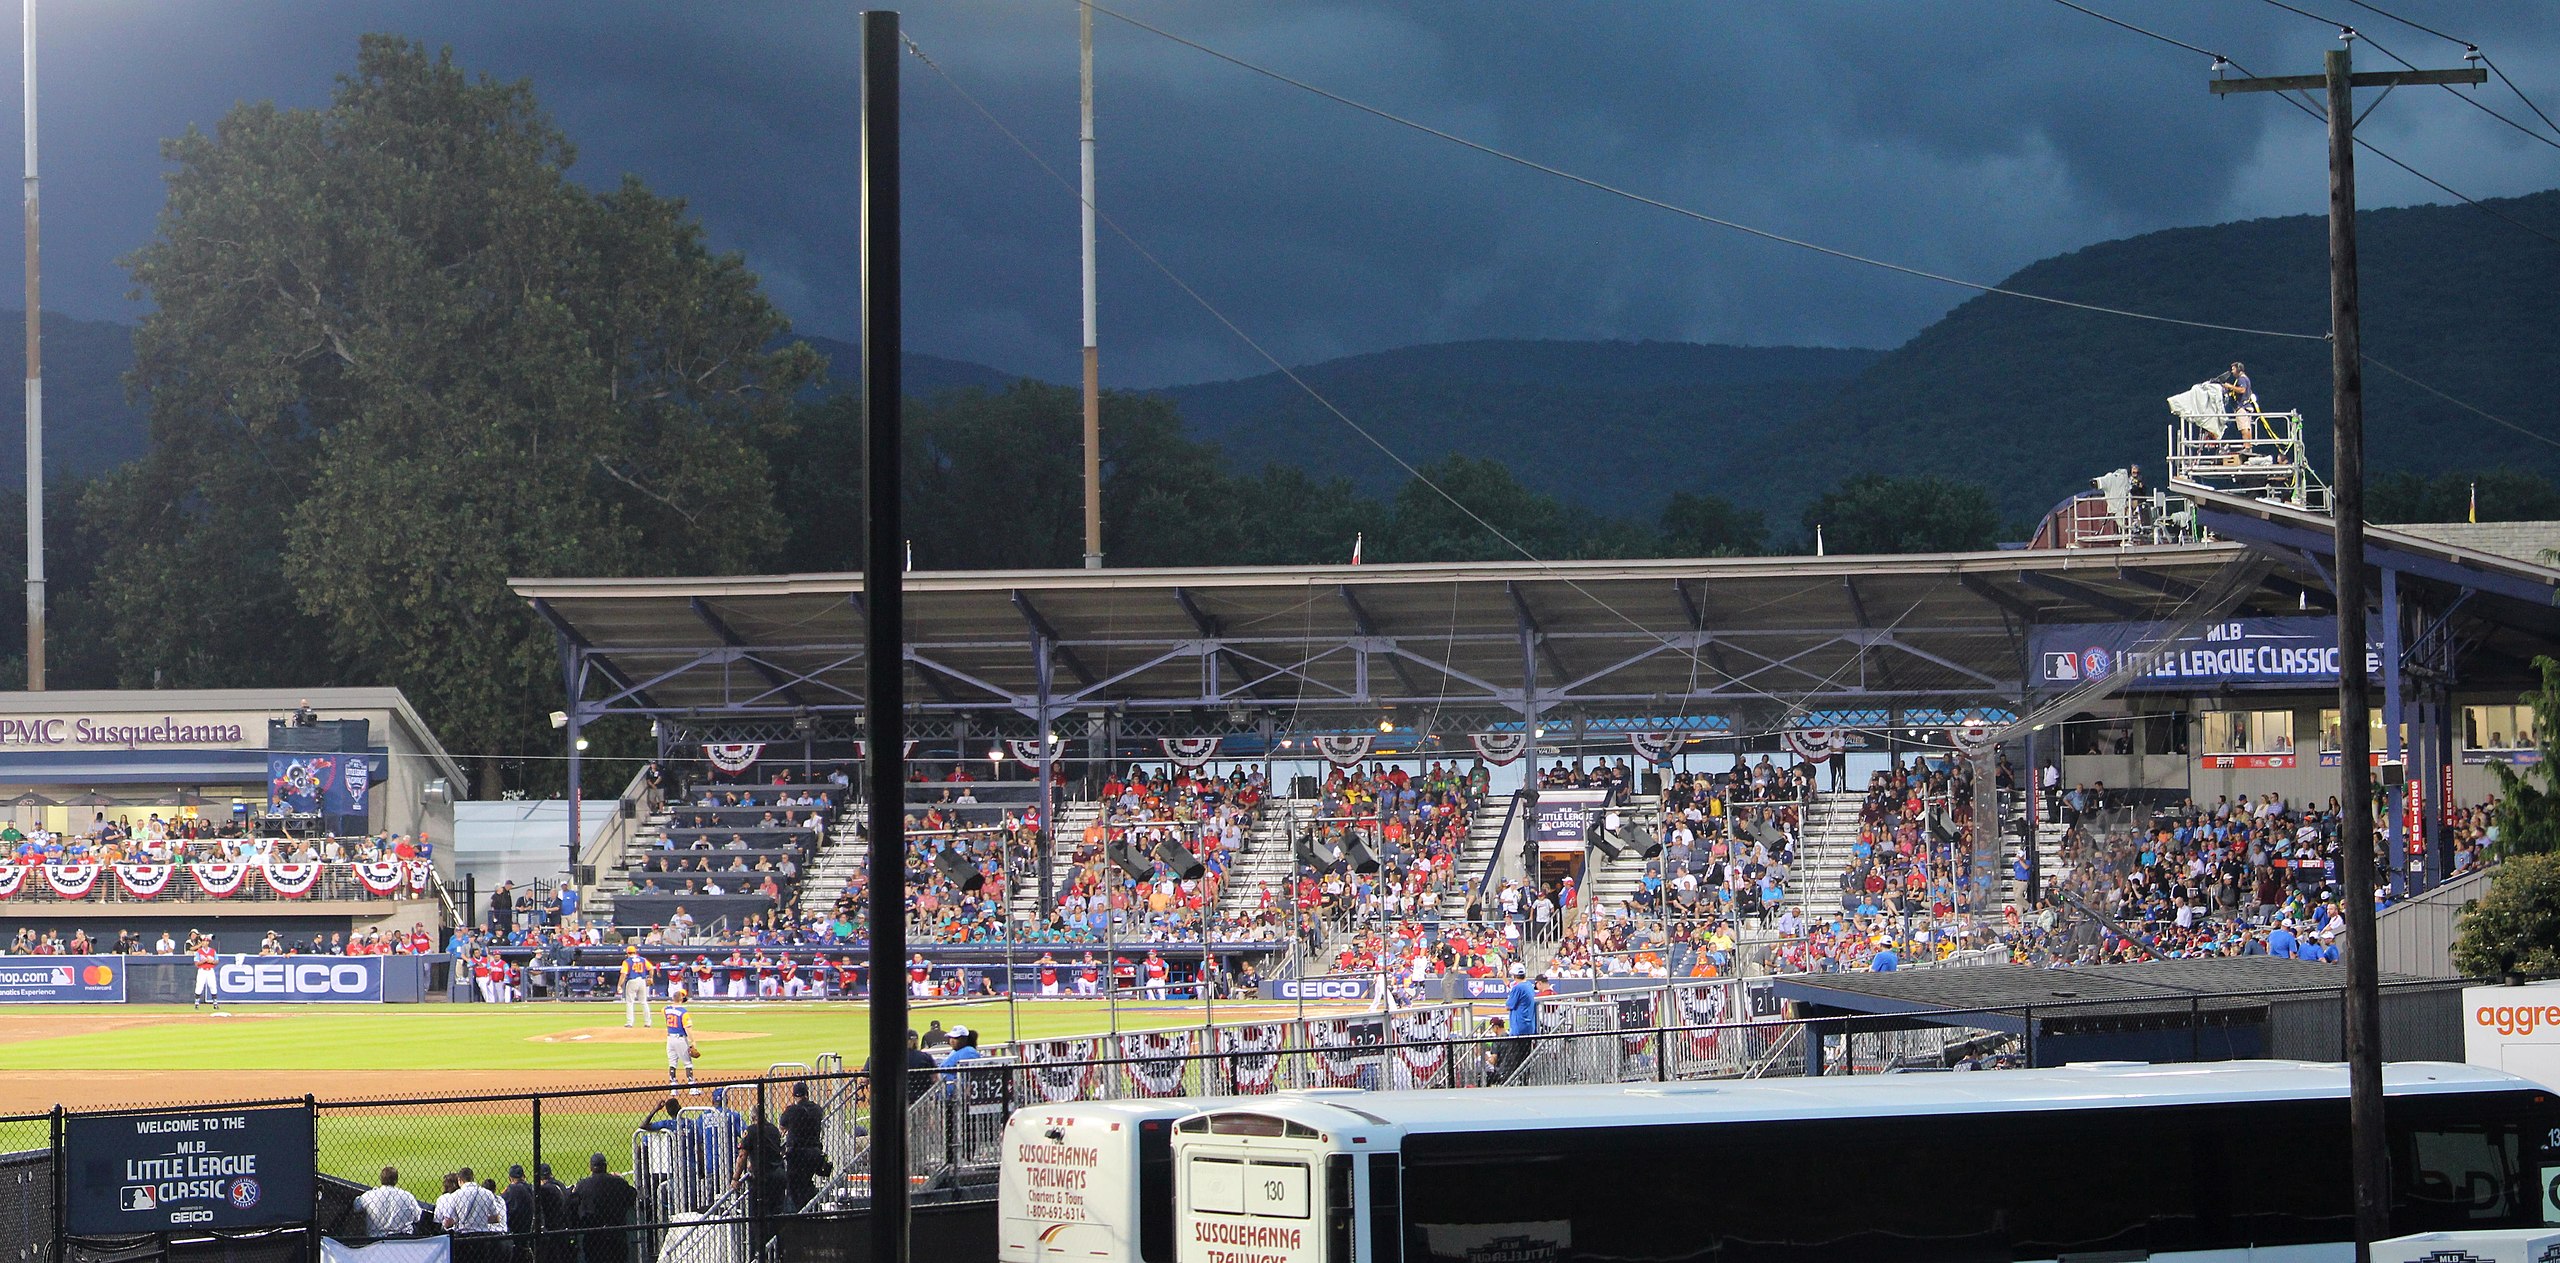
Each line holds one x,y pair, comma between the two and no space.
1315,852
1179,858
958,871
1363,860
1129,861
1597,839
1643,841
1306,787
630,809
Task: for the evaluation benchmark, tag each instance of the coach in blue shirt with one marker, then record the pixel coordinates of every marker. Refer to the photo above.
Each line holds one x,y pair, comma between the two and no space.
2280,942
1520,1005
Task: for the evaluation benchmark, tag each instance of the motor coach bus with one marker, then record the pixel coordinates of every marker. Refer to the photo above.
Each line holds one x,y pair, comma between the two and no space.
2215,1162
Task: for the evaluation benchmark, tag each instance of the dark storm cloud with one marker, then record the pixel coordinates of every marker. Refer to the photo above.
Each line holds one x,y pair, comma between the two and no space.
1968,138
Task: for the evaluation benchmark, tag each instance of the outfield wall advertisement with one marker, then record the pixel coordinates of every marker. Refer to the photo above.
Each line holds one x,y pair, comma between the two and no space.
61,979
300,979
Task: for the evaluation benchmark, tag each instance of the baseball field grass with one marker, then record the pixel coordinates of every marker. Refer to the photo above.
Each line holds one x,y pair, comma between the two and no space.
600,1077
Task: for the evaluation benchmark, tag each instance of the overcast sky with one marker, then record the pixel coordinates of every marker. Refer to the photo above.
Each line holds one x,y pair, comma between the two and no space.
1968,138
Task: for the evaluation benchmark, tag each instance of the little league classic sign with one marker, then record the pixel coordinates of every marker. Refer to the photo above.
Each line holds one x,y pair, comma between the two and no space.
2144,656
129,1174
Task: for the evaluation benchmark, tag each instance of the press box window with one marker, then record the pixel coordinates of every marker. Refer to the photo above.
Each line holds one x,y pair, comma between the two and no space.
2247,731
2497,728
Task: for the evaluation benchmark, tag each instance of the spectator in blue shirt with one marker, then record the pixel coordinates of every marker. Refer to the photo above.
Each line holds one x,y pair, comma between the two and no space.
1520,1004
2280,942
1885,961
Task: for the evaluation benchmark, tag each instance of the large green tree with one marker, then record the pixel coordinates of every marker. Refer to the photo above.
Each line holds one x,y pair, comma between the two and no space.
1876,513
395,356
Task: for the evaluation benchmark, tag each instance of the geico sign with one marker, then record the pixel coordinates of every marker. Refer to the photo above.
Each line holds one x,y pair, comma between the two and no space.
284,977
1325,989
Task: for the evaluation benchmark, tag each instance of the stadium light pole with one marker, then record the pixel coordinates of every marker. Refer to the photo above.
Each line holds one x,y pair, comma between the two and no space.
35,379
2368,1162
884,651
1092,330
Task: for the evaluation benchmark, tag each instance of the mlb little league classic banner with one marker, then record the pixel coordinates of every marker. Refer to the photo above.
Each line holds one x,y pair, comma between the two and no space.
2279,651
130,1174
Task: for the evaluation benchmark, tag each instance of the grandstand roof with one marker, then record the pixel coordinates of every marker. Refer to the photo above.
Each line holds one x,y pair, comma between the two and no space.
1586,634
1661,638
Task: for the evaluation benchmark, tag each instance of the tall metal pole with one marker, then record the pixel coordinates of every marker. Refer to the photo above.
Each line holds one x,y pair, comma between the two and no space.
2366,1159
1092,351
35,383
884,650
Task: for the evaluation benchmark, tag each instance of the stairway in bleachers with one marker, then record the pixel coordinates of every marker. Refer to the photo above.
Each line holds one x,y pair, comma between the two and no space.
1074,817
1608,883
1268,858
1484,836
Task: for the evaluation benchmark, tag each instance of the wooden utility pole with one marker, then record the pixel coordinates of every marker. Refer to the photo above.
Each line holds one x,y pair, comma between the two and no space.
2368,1161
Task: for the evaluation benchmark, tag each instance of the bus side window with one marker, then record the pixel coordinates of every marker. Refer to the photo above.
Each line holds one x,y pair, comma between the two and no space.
1339,1211
1386,1209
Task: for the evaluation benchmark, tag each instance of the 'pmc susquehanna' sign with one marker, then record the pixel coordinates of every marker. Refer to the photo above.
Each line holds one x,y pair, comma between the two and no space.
130,732
2140,656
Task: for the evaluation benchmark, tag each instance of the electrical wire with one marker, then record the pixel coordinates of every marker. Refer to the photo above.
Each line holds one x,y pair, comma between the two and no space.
2323,115
1274,361
2478,412
2469,49
1674,208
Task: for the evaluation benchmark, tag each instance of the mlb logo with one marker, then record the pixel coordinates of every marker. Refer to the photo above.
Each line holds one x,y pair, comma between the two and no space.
2062,667
139,1197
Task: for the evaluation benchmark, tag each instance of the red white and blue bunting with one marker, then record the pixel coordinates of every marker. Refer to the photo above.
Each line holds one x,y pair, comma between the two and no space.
1188,753
384,879
1655,747
1157,1060
218,880
1816,745
1342,751
292,881
1422,1051
1973,735
1347,1050
143,881
1251,1055
733,757
1500,749
72,881
1025,750
13,878
1062,1069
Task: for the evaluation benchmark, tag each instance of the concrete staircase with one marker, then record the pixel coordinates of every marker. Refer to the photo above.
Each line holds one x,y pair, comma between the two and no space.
1074,817
1267,858
837,863
1484,837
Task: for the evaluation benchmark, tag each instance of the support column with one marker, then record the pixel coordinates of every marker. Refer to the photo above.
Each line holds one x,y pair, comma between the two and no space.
1048,802
2394,749
572,674
2439,857
1529,720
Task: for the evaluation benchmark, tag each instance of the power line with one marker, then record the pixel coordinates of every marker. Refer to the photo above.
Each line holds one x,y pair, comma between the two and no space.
2477,412
2315,111
1676,209
1274,361
2469,50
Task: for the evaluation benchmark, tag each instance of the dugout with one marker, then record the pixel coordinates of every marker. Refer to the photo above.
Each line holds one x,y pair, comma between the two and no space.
2207,1009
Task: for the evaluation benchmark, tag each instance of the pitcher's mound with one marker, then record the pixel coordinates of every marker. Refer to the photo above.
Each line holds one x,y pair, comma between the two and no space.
634,1035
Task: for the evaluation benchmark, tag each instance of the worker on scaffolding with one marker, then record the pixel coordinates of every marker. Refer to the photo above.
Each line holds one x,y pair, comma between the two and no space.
2241,400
